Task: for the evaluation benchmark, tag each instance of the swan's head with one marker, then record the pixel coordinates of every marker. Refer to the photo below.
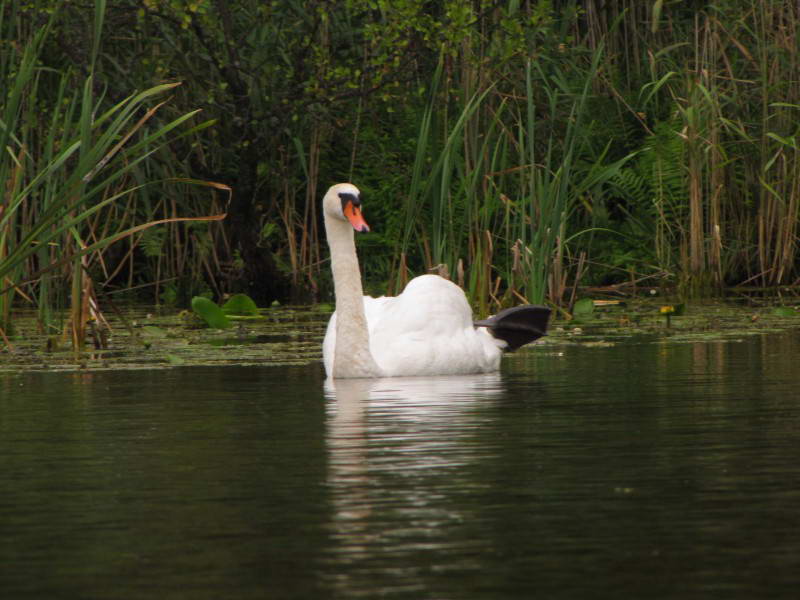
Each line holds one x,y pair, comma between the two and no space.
343,202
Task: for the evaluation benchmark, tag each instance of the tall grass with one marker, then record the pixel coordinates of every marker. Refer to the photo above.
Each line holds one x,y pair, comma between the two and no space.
498,207
441,184
562,175
541,126
702,166
68,174
725,81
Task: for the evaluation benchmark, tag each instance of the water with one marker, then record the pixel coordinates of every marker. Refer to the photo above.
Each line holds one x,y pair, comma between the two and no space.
634,471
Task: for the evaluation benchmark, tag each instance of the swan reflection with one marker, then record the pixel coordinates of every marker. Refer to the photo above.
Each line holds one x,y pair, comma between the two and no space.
401,444
427,403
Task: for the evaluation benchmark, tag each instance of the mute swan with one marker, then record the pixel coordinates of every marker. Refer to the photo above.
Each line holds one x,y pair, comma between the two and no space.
426,330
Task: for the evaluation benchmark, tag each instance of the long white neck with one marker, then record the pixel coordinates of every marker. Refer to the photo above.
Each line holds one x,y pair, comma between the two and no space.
352,357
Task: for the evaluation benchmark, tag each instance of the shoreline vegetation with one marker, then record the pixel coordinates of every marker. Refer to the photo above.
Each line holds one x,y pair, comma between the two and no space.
532,151
139,337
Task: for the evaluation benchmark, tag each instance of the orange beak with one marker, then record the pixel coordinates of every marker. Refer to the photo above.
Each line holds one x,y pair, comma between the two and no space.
353,214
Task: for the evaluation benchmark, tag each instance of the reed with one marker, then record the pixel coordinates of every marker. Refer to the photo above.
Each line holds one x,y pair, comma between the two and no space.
502,201
443,186
721,81
653,139
68,179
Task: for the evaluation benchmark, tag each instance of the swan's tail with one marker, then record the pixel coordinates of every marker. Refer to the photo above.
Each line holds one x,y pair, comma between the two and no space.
518,326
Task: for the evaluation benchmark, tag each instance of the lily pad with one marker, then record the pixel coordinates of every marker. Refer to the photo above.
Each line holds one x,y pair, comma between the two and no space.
210,313
240,304
583,307
153,331
175,360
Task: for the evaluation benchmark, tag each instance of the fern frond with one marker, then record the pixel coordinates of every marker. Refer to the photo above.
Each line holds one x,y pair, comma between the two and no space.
152,241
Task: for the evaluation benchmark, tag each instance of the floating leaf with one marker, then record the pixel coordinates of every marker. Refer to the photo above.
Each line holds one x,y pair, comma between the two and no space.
583,307
174,359
240,304
784,311
210,313
153,331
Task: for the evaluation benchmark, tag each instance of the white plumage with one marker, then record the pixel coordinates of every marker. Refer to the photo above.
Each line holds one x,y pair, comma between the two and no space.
426,330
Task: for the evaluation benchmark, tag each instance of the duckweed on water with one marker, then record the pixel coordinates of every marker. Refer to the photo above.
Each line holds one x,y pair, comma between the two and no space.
146,338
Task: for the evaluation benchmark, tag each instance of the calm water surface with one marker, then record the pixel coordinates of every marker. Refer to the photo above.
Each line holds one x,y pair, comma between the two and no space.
635,471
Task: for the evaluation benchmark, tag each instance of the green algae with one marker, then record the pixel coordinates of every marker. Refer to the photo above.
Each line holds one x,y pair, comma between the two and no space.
152,339
671,323
148,338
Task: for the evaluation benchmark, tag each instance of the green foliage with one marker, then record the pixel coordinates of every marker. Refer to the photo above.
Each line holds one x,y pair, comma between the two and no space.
152,242
240,304
153,331
583,308
210,312
170,295
505,137
68,160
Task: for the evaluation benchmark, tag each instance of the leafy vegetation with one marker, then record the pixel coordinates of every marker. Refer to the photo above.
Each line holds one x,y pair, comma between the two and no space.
525,148
71,178
240,305
210,312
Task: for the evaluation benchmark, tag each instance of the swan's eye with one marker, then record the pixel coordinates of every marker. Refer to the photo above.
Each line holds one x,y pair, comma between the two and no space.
348,198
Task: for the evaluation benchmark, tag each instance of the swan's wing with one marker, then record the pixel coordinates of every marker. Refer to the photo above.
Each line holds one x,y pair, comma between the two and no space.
428,308
519,325
374,308
427,330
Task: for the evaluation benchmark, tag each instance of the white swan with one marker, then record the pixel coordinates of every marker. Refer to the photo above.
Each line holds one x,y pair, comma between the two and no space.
426,330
